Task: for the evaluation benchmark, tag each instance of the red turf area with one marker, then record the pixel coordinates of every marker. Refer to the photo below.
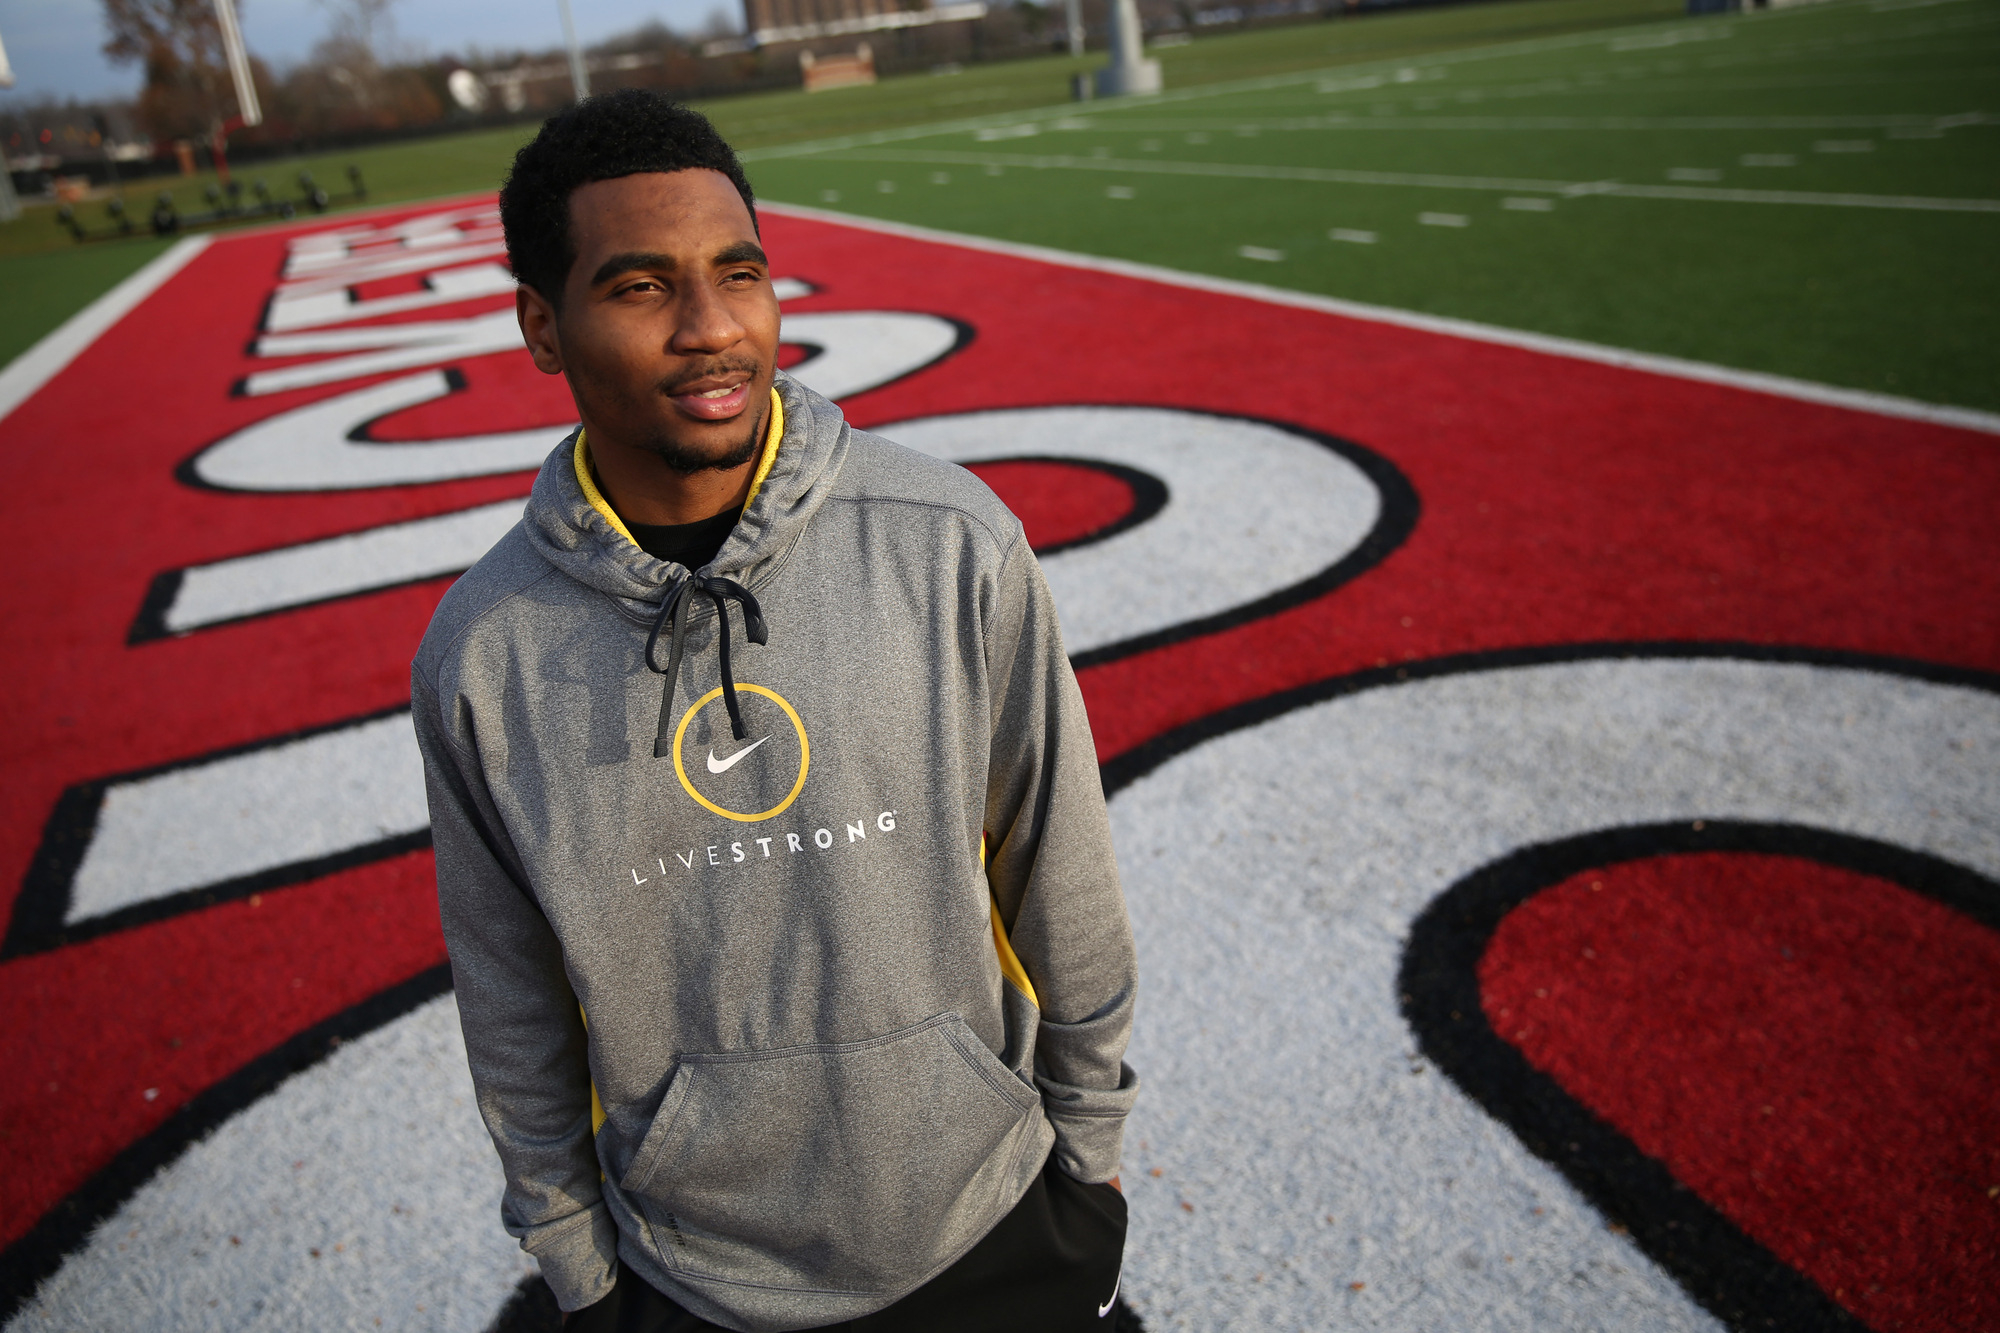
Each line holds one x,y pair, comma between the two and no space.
1057,503
1816,1052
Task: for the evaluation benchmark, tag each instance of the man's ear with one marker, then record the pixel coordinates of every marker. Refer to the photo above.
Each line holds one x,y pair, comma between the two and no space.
538,329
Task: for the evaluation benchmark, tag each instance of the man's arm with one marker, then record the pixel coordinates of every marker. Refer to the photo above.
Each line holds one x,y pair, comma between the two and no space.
524,1036
1053,875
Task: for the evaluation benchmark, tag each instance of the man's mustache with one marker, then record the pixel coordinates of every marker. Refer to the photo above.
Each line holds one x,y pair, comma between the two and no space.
724,365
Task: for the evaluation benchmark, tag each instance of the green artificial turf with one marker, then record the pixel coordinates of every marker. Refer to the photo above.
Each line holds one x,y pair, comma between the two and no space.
1544,100
1885,100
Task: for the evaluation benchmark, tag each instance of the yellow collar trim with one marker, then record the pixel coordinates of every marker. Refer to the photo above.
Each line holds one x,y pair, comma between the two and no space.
580,456
774,436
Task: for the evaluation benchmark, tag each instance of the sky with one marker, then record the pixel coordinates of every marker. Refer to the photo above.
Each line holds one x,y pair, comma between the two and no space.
53,45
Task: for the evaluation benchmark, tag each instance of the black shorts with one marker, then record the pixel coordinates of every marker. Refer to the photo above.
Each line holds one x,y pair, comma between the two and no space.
1051,1265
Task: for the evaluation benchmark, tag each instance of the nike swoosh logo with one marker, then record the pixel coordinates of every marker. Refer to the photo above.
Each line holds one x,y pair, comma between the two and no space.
1105,1308
724,765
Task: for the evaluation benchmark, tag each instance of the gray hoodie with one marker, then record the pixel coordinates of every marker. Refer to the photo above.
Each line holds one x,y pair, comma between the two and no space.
832,1048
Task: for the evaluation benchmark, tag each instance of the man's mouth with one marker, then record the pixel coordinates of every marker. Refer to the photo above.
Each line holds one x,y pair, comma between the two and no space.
714,402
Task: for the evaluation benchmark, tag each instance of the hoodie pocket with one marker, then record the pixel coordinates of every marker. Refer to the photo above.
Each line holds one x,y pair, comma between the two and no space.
854,1168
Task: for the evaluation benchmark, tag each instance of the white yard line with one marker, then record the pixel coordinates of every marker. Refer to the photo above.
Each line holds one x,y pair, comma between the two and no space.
1424,180
1780,386
46,359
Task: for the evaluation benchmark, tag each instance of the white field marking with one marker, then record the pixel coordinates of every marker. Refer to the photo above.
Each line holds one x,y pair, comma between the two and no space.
318,447
1260,253
1769,159
335,245
338,306
1444,219
1749,381
1528,204
1251,509
1119,192
392,263
362,1189
1652,41
1429,180
1352,235
940,178
46,359
829,196
378,337
315,447
1693,174
885,187
443,340
358,562
1273,875
1039,119
1844,146
249,813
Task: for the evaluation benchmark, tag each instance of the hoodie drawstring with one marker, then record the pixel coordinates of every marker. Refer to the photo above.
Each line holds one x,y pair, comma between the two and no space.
675,604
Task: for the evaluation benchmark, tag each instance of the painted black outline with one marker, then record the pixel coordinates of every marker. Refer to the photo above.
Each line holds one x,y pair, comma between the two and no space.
1731,1275
64,1228
1397,515
36,923
1149,496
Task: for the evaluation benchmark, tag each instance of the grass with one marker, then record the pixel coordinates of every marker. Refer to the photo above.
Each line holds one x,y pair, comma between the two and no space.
1842,99
1540,91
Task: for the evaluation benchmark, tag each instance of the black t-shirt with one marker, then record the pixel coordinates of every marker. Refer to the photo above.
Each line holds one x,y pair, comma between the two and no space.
690,544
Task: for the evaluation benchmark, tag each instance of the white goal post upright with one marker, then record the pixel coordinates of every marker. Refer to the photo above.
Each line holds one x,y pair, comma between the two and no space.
1129,71
579,73
239,64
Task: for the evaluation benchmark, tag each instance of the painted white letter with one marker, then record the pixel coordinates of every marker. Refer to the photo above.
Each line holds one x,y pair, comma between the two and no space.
765,843
823,839
737,849
858,829
886,821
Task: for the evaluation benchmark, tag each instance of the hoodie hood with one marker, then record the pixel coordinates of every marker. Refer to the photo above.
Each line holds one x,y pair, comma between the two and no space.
573,535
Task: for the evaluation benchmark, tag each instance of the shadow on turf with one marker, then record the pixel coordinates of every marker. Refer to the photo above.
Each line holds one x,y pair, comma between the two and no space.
534,1310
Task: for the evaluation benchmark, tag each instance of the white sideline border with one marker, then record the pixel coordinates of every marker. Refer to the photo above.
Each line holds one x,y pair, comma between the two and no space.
46,359
1754,381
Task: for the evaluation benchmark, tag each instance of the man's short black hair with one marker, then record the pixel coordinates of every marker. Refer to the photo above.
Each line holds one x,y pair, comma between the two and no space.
599,139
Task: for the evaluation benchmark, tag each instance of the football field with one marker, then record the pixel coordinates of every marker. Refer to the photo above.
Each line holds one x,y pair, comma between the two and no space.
1812,192
1520,510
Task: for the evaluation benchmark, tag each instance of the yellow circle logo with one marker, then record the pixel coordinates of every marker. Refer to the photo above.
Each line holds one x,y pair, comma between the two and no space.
723,765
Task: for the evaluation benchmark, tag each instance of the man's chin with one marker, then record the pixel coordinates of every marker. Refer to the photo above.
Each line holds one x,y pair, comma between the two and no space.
689,457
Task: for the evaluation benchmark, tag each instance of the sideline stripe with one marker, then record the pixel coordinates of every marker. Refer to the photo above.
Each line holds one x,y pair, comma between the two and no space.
1425,180
1753,381
42,362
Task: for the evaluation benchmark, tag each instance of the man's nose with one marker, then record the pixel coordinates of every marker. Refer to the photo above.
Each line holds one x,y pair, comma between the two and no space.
704,322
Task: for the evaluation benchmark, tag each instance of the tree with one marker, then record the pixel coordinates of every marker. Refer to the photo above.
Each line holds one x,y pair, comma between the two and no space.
179,44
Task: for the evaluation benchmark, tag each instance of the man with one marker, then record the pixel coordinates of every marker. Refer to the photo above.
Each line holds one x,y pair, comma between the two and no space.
772,857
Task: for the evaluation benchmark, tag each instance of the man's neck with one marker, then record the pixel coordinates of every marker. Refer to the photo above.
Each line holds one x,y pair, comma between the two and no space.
643,489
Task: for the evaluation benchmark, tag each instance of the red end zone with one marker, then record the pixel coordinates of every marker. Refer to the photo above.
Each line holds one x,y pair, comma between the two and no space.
1530,507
